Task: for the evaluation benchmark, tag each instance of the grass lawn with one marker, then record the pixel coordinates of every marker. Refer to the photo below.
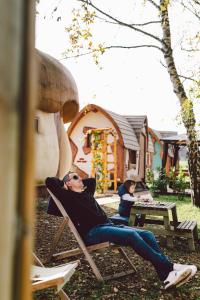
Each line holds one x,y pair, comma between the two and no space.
185,209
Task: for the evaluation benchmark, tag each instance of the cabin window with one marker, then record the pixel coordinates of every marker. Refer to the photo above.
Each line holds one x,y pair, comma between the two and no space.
132,157
87,141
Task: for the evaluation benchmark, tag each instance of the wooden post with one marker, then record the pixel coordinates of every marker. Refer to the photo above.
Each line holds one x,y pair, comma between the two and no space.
17,105
115,163
105,167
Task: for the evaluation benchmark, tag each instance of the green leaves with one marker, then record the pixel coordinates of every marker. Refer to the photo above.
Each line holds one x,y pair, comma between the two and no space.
80,34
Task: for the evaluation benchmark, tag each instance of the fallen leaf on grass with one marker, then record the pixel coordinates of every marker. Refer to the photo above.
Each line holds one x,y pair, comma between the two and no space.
143,290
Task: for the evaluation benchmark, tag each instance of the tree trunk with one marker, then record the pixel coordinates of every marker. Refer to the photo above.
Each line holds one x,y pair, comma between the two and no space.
187,112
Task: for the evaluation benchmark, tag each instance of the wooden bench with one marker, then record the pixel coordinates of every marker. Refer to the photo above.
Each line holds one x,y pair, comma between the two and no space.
187,229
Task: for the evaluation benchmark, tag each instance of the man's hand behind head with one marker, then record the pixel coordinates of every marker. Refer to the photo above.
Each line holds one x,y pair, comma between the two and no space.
65,186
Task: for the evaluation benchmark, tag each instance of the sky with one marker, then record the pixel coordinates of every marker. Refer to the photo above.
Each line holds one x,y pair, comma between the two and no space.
130,82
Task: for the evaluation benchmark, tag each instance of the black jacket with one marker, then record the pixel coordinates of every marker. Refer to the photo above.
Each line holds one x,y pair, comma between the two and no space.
82,208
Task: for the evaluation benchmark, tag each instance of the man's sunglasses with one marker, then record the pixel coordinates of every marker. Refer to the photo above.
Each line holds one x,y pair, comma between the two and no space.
75,177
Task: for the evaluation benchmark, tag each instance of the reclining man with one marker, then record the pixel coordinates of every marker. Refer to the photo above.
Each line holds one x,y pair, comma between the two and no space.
77,197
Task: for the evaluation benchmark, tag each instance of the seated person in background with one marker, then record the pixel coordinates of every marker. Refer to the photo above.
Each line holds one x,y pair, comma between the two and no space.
125,191
127,199
77,197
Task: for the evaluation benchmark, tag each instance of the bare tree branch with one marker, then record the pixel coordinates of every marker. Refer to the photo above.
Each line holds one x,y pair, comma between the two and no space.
147,23
120,22
77,55
188,78
116,23
113,47
154,4
192,9
182,76
105,20
189,50
137,46
197,2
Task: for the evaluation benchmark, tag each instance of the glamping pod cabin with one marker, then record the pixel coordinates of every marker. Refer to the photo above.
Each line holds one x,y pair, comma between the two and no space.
155,156
58,104
131,135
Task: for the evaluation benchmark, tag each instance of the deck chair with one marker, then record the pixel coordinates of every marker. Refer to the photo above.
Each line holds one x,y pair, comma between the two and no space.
83,249
57,277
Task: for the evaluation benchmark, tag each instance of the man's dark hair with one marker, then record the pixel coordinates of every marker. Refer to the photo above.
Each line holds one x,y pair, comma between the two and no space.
128,183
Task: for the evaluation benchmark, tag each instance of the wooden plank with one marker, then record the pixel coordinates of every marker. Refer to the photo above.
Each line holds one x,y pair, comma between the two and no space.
195,232
187,225
170,205
148,211
154,221
123,253
149,206
63,295
191,244
118,275
167,227
166,222
78,251
193,224
174,216
183,225
57,237
43,284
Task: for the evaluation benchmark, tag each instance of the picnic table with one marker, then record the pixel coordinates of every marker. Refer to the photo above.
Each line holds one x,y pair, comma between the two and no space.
169,228
158,209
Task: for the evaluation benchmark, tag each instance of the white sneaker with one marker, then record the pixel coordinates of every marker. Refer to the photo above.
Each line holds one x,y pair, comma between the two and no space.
177,277
178,267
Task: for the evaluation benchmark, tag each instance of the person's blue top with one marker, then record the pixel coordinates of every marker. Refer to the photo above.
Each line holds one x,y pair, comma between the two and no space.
124,208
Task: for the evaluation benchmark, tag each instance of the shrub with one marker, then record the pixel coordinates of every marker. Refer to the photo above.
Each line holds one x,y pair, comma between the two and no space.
149,176
160,185
180,183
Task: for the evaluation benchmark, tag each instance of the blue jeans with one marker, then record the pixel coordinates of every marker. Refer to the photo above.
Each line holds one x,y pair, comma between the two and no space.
142,241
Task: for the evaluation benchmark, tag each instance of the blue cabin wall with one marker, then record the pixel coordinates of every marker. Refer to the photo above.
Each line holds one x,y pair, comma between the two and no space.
157,161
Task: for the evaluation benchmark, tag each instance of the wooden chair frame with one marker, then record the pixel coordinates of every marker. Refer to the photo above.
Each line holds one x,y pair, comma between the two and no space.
83,249
51,282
